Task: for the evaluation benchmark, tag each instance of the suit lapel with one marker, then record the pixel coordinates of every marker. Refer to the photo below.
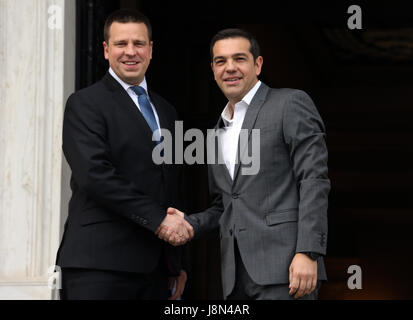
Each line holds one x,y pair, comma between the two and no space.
249,122
122,98
221,168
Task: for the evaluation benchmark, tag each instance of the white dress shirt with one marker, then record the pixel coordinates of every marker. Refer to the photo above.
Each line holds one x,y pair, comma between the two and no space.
133,95
229,136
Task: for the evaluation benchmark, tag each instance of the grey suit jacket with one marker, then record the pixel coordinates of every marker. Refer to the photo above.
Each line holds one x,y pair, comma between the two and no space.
281,210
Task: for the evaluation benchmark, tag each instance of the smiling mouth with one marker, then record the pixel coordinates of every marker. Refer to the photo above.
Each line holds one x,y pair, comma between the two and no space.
232,80
130,63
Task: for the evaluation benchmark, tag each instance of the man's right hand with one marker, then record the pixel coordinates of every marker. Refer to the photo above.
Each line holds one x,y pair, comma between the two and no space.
174,228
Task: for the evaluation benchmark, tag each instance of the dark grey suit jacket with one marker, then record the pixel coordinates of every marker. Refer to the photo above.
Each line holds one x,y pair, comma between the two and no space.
281,210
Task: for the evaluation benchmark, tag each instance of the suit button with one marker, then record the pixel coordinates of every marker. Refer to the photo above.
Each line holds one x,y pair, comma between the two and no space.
144,222
235,196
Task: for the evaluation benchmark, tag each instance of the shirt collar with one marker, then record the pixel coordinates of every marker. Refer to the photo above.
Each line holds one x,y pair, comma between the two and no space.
125,85
248,97
225,115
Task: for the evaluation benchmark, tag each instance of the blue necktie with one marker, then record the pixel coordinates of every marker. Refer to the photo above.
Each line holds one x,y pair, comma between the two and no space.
146,109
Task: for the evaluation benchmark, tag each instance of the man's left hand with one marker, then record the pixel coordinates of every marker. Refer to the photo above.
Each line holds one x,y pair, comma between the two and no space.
303,275
179,283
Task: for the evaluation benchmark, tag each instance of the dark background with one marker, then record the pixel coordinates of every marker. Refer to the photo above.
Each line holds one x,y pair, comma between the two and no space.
361,82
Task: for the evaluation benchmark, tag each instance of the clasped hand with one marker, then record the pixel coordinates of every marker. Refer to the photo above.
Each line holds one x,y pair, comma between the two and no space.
174,228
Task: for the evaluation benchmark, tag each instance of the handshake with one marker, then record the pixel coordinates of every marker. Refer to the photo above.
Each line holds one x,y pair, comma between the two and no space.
174,228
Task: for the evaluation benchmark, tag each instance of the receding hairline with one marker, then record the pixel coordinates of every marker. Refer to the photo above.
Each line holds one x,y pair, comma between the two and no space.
126,16
229,38
234,33
129,22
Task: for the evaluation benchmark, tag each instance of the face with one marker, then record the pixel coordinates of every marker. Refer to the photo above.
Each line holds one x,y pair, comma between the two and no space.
235,70
129,51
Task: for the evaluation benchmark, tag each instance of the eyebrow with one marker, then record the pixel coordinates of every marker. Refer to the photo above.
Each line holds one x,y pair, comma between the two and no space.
236,55
125,41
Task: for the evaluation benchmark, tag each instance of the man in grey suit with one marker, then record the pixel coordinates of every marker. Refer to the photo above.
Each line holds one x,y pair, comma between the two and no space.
273,224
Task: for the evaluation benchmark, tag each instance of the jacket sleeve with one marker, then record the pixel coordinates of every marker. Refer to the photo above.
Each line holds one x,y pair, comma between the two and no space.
88,153
304,134
207,221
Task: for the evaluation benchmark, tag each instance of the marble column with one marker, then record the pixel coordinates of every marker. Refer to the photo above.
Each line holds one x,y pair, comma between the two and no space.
37,62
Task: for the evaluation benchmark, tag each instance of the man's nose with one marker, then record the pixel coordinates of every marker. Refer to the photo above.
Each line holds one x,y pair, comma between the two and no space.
130,50
231,67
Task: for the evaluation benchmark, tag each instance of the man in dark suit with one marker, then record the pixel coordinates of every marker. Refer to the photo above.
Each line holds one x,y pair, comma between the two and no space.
119,195
272,218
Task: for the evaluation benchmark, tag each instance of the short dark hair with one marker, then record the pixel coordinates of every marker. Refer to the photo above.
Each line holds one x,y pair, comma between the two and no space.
125,16
236,33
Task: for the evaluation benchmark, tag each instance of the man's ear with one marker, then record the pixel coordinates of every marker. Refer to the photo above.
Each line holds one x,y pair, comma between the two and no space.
258,65
212,68
151,49
106,50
